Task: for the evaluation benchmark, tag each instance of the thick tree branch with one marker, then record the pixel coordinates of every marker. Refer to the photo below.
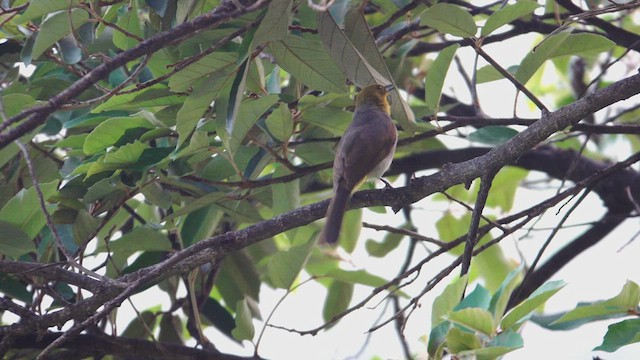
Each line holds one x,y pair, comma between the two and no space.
87,345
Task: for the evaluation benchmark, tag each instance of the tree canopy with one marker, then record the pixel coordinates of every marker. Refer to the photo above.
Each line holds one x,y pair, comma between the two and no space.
185,148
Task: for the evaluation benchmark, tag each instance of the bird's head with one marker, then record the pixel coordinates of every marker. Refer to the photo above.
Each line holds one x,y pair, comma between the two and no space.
375,95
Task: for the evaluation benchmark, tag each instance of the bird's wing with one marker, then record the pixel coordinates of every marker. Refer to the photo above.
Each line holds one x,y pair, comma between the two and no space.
361,154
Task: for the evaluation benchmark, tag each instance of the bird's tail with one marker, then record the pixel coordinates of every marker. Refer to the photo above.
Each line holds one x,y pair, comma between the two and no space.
335,213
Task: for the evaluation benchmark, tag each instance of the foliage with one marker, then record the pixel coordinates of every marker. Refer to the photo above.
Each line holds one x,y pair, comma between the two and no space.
184,147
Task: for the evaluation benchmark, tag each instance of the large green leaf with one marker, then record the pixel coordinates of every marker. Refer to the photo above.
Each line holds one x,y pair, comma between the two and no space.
449,19
503,343
447,300
507,14
308,62
110,131
131,22
493,135
474,318
501,297
14,242
435,77
561,44
45,7
143,238
244,329
237,278
338,299
199,224
249,112
275,24
55,27
628,298
210,64
536,299
156,95
194,107
357,31
280,123
459,340
331,119
620,334
23,210
284,266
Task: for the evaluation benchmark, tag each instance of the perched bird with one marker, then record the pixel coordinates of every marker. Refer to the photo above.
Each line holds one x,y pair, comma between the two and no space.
366,149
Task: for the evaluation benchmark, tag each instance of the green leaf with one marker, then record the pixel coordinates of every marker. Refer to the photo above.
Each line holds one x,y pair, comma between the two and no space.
139,327
503,343
307,61
507,14
358,32
488,73
449,19
170,329
474,318
44,7
620,334
447,300
214,63
435,77
132,23
331,119
275,24
14,242
218,316
478,298
23,209
250,111
437,339
69,50
13,104
493,135
196,204
156,95
125,155
627,299
55,27
284,266
199,224
197,103
388,244
244,329
361,277
507,180
143,238
350,232
501,297
338,299
280,123
110,131
561,44
459,340
83,225
238,278
536,299
235,96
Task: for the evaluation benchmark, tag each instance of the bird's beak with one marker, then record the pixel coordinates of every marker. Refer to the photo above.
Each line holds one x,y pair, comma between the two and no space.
389,87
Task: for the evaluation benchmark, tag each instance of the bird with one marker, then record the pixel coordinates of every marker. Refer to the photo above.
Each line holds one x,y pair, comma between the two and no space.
365,151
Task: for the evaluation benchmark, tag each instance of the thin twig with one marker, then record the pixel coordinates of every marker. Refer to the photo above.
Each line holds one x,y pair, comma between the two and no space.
54,231
406,232
483,194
